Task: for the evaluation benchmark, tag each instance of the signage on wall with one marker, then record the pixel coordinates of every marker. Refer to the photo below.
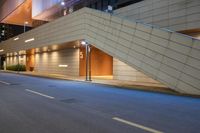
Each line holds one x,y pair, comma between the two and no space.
81,55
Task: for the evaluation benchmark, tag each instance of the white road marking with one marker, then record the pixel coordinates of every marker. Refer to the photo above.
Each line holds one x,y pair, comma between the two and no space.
3,82
136,125
50,97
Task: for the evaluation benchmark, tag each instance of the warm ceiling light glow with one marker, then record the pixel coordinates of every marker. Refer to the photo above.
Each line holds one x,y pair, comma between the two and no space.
63,65
26,22
29,40
17,38
1,50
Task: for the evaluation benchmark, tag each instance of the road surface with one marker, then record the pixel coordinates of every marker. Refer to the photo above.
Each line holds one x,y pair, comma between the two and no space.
39,105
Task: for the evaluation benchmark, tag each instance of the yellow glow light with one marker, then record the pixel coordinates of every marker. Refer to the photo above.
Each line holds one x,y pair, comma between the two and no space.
63,65
29,40
17,38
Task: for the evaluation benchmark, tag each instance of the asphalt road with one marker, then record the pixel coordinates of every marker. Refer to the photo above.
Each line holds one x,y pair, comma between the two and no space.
39,105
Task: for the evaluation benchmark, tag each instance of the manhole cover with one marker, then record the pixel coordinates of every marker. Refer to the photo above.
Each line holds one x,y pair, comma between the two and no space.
51,86
14,84
70,100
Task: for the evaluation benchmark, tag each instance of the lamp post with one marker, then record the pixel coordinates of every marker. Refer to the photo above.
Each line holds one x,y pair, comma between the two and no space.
0,62
88,60
18,62
25,23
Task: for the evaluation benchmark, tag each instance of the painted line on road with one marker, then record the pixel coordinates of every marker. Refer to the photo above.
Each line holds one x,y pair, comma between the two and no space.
136,125
3,82
38,93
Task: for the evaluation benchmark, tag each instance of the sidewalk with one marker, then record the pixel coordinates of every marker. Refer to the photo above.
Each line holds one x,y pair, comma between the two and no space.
145,86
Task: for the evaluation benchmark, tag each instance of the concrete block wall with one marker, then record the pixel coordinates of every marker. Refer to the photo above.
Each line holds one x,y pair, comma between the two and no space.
13,60
122,71
65,29
176,15
48,62
165,56
168,57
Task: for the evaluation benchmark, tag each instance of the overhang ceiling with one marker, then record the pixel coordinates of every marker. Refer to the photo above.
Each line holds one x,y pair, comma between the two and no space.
20,15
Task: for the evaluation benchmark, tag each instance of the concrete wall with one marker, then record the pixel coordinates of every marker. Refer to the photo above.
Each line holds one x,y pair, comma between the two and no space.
13,60
176,15
169,57
49,62
122,71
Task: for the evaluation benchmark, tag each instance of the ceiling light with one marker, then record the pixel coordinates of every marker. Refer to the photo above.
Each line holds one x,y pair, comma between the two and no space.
1,50
83,42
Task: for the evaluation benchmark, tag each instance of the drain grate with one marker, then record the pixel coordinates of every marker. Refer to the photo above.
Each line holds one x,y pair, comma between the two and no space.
70,100
15,84
51,86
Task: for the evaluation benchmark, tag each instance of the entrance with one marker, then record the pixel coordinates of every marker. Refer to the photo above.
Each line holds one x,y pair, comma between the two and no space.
101,63
30,60
2,62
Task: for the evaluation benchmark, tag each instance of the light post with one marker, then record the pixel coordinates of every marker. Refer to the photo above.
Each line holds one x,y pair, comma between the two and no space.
25,23
0,62
63,9
88,60
18,62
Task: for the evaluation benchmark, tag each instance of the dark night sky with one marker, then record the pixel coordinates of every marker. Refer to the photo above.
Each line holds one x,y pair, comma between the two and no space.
1,1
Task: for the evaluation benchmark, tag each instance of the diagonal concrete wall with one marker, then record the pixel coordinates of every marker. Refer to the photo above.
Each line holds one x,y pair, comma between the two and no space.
168,57
177,15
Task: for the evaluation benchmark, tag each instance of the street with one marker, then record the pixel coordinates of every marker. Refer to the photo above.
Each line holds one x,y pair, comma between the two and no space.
39,105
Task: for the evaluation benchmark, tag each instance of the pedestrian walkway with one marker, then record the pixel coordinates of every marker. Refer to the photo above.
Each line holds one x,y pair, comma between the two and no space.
106,80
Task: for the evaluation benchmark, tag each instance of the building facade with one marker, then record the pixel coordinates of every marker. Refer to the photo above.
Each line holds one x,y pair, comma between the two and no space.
123,48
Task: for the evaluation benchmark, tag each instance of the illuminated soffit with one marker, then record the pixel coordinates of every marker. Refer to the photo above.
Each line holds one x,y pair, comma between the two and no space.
20,15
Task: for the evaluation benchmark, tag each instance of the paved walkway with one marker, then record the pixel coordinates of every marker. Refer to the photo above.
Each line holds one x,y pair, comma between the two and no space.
106,80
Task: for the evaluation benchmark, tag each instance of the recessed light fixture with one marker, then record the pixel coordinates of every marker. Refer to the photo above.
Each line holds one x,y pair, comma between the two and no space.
1,50
83,42
62,65
29,40
17,38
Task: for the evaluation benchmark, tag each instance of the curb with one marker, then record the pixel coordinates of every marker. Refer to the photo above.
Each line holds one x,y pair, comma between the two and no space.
123,86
